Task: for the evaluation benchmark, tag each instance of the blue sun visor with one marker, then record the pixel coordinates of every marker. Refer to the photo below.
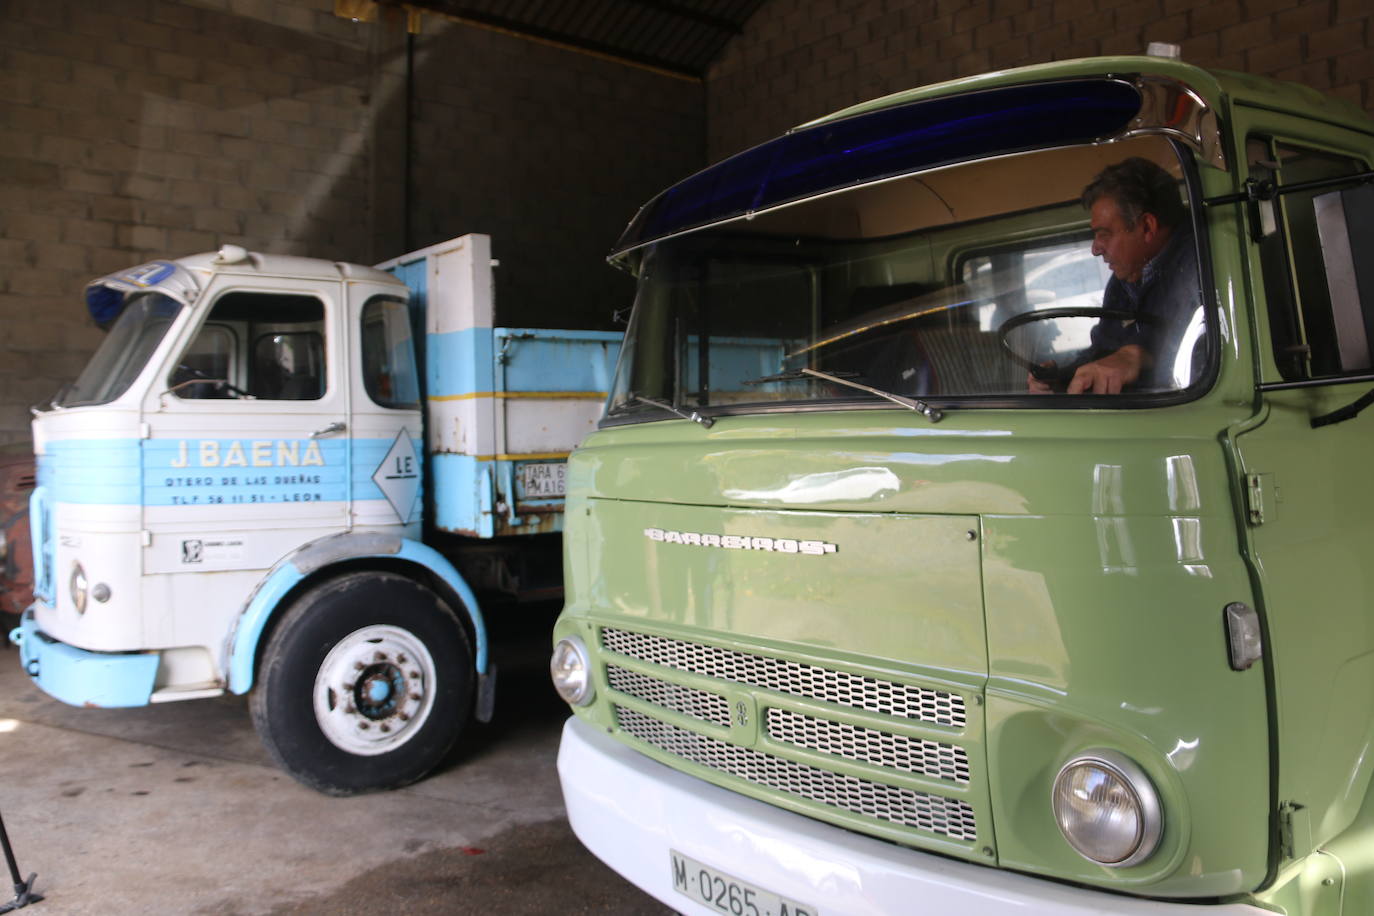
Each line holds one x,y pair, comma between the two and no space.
106,297
887,143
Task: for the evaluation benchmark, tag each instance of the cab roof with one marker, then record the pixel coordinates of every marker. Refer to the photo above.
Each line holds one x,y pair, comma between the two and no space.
1218,87
235,260
184,278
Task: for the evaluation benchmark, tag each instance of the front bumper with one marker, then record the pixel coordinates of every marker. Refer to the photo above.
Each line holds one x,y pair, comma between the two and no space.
81,677
630,811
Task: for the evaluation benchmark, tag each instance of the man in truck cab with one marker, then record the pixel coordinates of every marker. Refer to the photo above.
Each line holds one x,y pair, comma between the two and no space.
1140,231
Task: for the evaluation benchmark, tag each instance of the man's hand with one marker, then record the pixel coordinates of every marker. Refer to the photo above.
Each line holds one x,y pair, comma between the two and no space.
1035,385
1109,374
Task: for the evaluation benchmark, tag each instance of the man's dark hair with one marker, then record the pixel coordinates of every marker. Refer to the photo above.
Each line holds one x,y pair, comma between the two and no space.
1138,186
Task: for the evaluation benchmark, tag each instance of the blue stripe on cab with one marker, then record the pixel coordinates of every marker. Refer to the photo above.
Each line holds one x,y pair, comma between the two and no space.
198,471
193,471
104,472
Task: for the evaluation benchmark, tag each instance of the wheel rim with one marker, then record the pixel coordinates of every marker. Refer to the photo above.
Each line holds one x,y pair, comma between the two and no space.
374,690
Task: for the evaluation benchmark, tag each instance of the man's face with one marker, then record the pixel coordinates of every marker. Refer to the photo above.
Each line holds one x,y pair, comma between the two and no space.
1125,250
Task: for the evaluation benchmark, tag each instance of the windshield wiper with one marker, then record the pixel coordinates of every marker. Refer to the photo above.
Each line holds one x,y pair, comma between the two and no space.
933,414
632,398
794,375
54,402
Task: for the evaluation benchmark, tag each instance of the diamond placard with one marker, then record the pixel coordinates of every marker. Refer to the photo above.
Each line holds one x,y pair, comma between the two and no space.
398,476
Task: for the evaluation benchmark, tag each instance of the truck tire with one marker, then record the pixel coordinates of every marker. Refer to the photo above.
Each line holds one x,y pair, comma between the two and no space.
365,684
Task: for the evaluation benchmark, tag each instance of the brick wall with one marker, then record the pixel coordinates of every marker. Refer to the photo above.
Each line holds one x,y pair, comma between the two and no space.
134,129
800,59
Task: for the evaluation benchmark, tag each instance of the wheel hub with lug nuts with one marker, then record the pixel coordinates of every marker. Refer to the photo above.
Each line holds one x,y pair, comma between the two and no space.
374,690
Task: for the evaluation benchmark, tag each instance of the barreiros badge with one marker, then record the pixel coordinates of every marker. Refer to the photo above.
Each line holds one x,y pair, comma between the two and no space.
740,542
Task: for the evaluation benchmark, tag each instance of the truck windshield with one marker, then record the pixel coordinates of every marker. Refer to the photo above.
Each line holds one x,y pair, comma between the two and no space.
124,352
978,283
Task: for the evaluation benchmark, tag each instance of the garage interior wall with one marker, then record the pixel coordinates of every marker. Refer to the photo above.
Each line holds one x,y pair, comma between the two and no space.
141,129
549,151
135,129
800,59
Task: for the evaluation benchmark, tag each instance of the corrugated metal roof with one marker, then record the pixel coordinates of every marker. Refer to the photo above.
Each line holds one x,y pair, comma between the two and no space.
680,37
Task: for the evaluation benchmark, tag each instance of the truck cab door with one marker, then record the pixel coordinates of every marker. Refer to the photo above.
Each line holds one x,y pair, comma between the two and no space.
1309,508
386,423
246,450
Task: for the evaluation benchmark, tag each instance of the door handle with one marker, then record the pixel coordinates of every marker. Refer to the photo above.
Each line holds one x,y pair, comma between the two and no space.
337,426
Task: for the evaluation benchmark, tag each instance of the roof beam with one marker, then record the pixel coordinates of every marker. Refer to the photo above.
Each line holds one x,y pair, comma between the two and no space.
719,23
484,19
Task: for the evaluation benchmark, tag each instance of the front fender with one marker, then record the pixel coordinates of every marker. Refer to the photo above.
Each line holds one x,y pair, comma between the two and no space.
319,555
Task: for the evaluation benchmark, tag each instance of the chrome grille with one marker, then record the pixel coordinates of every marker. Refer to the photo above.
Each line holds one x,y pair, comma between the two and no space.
931,813
868,745
708,707
795,678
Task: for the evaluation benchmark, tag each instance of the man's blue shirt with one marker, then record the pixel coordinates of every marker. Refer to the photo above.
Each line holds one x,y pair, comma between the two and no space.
1164,301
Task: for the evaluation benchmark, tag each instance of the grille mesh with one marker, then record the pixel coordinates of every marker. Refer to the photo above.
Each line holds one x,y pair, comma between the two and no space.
810,681
931,813
867,745
708,707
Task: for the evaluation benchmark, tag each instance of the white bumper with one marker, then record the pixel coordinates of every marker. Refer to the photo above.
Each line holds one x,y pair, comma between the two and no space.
630,811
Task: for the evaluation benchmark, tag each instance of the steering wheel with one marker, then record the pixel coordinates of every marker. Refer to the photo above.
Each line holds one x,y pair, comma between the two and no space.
198,377
1057,377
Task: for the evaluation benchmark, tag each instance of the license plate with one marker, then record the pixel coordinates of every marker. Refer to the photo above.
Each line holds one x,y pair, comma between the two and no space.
728,894
542,480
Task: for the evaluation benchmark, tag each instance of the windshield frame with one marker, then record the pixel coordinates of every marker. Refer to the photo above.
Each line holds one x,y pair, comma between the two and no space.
619,414
130,348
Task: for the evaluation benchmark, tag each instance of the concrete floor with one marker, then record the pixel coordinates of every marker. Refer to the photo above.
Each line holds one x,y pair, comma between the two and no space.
177,809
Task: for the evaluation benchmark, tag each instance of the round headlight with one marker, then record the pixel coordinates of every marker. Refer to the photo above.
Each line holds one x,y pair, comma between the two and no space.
1107,809
571,671
78,588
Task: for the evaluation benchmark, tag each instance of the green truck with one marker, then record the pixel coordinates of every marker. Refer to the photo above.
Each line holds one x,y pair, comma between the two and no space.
981,518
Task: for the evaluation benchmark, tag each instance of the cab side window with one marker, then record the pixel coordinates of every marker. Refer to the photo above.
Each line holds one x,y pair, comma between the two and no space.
1320,293
265,346
288,366
388,345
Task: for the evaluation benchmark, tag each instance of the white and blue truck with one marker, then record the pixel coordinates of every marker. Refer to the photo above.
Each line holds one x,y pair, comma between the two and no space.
259,484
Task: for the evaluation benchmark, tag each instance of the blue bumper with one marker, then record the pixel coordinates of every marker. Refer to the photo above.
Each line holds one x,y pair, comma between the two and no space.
81,677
